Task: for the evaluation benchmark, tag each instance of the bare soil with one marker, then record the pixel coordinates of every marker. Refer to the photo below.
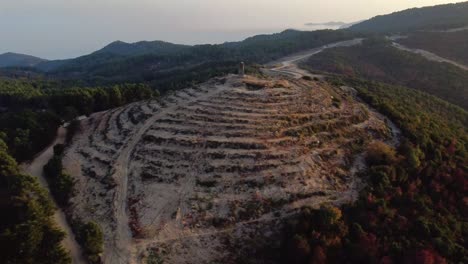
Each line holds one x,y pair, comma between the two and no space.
193,178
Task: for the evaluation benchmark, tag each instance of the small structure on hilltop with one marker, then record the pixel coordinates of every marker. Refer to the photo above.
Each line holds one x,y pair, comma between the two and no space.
241,69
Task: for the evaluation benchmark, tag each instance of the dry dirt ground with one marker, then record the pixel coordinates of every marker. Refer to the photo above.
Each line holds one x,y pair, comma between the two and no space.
207,174
288,65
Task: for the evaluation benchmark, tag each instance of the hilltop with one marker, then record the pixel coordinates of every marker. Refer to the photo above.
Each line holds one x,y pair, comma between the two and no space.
142,47
425,18
206,171
10,59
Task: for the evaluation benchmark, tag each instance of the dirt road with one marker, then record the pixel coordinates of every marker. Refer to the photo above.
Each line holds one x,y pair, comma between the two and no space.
123,243
447,30
430,56
288,65
35,168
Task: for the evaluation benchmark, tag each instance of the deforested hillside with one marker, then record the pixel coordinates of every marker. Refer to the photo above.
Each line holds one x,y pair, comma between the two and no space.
210,173
377,59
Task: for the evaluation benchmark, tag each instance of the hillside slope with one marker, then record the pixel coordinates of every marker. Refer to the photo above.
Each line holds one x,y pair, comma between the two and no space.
381,62
433,17
19,60
142,47
451,45
150,57
215,164
413,208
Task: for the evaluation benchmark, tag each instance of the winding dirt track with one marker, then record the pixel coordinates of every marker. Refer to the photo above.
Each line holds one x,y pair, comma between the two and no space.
429,55
123,239
35,168
288,65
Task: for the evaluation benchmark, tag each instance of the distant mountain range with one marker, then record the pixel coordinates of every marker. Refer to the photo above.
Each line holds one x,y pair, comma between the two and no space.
19,60
115,51
142,47
331,23
119,57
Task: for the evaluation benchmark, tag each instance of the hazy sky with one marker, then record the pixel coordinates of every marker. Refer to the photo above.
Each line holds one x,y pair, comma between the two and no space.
67,28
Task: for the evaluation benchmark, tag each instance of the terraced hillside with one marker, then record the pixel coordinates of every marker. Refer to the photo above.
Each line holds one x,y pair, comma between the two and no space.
207,174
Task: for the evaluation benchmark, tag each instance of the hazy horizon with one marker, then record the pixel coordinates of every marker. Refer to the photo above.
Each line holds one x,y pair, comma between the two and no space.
55,29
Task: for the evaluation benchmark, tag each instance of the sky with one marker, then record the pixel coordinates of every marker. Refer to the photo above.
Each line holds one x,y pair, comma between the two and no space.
59,29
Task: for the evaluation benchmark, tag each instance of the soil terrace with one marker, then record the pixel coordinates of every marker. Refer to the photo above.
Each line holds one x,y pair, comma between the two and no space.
194,177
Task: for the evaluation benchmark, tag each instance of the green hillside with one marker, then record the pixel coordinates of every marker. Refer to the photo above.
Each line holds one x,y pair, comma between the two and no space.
451,45
378,60
433,17
19,60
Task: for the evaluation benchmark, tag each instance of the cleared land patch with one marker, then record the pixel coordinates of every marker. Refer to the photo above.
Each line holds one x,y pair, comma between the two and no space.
206,174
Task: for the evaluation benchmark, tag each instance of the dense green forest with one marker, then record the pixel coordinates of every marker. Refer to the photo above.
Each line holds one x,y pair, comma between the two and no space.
413,209
28,233
33,110
425,18
451,45
61,184
377,60
39,94
27,132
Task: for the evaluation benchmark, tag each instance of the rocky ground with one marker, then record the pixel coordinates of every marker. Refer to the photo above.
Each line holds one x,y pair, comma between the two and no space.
206,174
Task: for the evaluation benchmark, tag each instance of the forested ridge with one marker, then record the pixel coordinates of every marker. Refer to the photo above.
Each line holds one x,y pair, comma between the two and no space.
148,61
426,18
451,45
377,60
10,59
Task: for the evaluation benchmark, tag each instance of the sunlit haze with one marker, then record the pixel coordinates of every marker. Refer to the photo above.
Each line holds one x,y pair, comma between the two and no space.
62,29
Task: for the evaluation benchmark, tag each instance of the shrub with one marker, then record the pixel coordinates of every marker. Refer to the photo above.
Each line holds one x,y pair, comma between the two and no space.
61,184
91,239
379,153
